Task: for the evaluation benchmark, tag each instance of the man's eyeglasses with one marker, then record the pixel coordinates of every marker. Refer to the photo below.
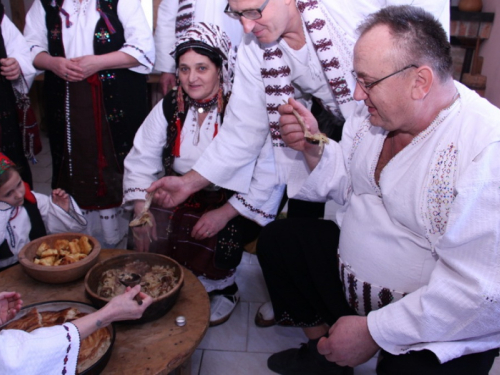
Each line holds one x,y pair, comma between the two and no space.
366,87
251,14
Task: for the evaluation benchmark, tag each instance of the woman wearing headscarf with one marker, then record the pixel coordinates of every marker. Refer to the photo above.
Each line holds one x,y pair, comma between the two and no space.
206,233
96,55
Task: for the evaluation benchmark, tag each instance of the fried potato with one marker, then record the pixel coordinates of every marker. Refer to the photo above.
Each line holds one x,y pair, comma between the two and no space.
74,248
62,245
64,252
85,245
44,246
49,253
48,261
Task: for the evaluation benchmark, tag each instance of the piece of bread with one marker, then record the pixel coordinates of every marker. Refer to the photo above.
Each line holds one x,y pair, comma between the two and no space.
29,322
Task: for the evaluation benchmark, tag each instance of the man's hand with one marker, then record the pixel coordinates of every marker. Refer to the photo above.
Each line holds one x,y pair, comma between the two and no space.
292,132
10,68
171,191
167,81
143,235
61,198
10,304
349,342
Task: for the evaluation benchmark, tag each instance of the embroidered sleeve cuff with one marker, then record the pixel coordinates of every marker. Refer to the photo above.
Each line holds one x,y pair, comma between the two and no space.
146,61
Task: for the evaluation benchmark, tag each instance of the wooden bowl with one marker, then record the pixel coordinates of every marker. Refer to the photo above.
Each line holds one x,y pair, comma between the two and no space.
57,274
160,306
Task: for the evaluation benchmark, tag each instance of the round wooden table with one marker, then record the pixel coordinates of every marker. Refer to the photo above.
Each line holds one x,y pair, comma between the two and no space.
157,347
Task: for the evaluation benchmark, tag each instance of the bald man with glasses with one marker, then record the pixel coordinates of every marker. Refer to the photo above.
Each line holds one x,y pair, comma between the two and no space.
415,271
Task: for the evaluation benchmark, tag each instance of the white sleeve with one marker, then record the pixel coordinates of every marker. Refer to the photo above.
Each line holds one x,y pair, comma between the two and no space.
262,201
55,348
144,161
165,35
230,159
139,41
17,48
57,220
457,312
35,30
5,213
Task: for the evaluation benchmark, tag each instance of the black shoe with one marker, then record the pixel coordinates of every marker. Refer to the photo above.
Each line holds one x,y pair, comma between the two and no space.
303,362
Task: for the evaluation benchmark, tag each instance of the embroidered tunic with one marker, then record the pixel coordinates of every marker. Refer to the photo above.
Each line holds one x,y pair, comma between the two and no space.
143,164
81,38
424,243
45,351
176,16
15,224
229,160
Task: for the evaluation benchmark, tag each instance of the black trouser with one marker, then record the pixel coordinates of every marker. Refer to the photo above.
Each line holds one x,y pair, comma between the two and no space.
299,261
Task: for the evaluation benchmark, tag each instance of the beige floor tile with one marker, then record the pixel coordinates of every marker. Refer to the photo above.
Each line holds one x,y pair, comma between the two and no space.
234,363
232,335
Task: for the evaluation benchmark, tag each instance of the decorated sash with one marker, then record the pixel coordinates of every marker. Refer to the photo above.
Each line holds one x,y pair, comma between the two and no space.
334,53
185,17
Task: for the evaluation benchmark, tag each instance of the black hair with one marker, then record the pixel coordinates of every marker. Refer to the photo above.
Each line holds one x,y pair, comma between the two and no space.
205,51
418,37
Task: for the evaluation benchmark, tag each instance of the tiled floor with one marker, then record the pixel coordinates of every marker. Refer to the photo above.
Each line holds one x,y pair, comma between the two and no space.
237,347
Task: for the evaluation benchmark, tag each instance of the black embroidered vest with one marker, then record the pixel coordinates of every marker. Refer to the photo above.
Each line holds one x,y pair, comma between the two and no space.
124,91
37,228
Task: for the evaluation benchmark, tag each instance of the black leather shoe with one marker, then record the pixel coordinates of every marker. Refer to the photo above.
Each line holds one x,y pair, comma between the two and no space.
302,362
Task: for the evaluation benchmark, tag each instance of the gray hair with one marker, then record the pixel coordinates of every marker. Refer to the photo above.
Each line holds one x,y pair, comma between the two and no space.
418,37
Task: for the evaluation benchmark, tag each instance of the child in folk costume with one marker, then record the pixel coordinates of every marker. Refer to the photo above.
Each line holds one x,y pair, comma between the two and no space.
26,215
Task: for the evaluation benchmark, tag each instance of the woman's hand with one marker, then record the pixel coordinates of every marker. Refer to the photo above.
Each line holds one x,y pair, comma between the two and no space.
121,307
10,304
60,66
10,68
213,221
144,234
61,198
124,307
89,64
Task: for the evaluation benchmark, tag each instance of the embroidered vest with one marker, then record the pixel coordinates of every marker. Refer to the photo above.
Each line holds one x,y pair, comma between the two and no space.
124,91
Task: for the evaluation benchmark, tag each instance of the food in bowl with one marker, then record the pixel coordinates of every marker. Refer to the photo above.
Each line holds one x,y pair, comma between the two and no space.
92,348
156,280
63,252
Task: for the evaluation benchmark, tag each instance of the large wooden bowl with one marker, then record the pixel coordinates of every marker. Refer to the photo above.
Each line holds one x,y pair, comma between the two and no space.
160,306
57,274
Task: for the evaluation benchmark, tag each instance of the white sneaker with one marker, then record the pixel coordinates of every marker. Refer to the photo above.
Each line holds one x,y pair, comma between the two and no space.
221,307
265,315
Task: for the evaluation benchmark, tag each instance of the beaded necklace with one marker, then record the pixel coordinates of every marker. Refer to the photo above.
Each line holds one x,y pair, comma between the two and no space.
204,105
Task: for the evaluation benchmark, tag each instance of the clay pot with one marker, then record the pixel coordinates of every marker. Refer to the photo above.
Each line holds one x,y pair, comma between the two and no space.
470,5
